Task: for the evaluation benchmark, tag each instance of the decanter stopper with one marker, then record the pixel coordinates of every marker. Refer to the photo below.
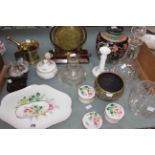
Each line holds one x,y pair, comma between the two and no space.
104,51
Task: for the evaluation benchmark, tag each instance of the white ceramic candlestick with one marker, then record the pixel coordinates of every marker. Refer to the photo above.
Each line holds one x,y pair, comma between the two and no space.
101,68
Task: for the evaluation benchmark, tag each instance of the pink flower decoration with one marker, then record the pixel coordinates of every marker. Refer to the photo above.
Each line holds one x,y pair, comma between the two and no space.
51,106
114,49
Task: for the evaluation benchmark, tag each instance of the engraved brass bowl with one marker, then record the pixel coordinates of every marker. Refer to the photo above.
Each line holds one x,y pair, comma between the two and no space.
68,38
109,86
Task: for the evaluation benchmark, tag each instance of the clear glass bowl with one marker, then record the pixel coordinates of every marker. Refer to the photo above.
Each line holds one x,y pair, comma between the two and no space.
142,98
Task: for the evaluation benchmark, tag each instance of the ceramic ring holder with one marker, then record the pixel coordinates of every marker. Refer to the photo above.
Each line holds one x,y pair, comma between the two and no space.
104,51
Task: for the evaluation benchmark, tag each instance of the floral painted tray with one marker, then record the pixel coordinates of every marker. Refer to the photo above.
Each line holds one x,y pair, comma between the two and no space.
36,106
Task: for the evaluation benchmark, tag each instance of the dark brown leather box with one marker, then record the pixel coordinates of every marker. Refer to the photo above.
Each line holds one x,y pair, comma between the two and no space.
145,64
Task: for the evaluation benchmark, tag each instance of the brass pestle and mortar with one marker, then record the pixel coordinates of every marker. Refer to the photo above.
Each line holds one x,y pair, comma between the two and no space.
27,49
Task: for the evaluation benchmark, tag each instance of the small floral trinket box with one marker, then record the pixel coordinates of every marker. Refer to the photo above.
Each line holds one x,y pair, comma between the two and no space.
92,120
86,94
114,112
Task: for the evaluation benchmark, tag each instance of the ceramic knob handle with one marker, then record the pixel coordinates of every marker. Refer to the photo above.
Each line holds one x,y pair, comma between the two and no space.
104,52
48,55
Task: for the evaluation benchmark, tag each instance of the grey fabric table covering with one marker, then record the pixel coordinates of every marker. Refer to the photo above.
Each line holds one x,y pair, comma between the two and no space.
78,109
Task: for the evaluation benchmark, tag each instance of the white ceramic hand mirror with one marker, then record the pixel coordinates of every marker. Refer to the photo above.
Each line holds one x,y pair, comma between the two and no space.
104,51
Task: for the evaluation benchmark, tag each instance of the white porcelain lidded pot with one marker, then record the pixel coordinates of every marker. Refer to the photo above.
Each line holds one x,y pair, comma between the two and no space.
86,94
114,112
46,69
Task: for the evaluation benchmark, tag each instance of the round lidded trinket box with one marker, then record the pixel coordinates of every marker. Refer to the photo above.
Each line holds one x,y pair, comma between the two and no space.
114,112
92,120
86,94
115,39
46,69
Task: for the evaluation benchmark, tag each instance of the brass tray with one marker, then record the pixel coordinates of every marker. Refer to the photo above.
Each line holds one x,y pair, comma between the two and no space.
68,38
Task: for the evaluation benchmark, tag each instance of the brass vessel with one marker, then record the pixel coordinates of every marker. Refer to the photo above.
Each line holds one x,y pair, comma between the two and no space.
109,86
28,49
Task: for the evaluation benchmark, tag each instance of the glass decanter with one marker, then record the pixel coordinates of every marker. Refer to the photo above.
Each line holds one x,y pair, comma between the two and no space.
125,67
72,73
137,32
